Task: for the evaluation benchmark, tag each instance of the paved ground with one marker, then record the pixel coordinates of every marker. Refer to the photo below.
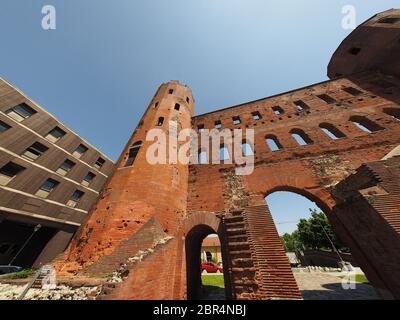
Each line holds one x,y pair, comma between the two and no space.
328,286
317,286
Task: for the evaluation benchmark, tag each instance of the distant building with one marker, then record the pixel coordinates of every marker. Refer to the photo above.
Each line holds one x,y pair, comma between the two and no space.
211,250
49,179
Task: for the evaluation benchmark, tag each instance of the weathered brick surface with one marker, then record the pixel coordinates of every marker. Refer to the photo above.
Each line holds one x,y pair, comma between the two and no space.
369,208
190,202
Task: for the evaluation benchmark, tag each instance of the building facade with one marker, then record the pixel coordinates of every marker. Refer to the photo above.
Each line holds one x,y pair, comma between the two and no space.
49,180
306,141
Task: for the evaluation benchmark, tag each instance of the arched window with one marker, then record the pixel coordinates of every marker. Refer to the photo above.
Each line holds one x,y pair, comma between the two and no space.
331,131
393,112
223,153
301,137
365,124
133,152
203,159
273,143
247,149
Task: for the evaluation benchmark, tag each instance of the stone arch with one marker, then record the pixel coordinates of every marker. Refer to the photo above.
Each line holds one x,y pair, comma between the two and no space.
195,229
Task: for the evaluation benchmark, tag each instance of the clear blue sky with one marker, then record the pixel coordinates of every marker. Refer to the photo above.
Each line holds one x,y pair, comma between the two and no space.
99,69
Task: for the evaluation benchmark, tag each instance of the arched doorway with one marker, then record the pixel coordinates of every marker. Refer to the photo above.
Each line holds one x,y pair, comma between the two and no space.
195,264
313,247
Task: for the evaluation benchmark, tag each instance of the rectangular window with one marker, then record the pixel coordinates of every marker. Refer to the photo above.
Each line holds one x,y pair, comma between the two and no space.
352,91
160,121
79,151
75,198
20,112
236,120
390,20
278,110
65,167
9,172
99,163
301,105
177,106
354,51
88,179
328,99
4,127
256,115
34,151
55,134
218,124
171,91
47,187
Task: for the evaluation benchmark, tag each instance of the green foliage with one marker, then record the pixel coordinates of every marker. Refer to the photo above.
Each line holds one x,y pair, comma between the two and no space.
213,280
22,274
313,233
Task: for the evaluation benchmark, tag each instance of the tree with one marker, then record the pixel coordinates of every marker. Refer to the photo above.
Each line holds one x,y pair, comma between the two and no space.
291,242
313,233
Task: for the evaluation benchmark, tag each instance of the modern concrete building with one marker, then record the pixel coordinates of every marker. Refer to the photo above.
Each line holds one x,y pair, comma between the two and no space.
49,179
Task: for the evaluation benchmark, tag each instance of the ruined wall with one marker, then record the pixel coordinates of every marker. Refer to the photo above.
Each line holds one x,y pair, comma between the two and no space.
139,191
368,205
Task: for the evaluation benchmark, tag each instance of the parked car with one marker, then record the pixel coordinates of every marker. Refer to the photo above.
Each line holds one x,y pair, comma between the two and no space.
211,267
9,269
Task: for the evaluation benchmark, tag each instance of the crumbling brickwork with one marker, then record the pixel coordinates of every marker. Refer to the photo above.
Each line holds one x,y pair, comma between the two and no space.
343,123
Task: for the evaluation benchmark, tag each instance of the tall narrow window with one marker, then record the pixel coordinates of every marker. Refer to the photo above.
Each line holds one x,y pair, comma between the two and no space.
393,112
55,134
256,115
331,131
273,143
301,105
203,159
218,124
247,149
327,98
80,151
223,153
133,152
88,179
34,152
4,127
353,91
99,163
177,106
65,167
365,124
75,198
46,188
301,137
187,100
20,112
9,172
160,121
278,110
236,120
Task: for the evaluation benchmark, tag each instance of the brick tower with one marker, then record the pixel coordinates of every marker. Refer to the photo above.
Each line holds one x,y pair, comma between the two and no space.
138,191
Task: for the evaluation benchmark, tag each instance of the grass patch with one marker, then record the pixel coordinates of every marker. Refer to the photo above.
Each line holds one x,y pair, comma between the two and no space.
213,281
360,278
23,274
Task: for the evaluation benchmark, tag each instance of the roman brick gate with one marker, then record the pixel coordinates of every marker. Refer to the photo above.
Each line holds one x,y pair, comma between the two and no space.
324,141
